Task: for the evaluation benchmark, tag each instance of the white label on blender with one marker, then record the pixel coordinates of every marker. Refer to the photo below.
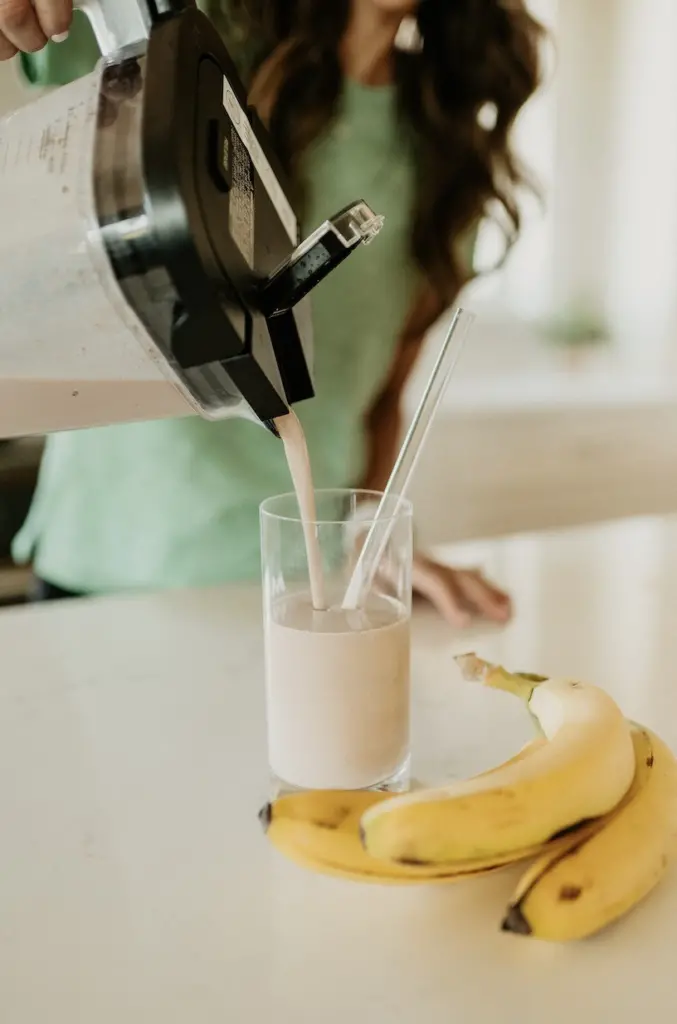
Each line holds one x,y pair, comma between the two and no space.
260,161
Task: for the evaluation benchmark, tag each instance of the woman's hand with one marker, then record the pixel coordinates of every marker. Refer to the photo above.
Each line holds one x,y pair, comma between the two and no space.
28,24
459,595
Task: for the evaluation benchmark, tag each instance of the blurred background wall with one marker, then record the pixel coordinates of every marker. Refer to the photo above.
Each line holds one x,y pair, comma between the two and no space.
564,407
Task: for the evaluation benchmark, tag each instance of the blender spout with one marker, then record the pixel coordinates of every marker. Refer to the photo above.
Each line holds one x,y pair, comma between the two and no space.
319,254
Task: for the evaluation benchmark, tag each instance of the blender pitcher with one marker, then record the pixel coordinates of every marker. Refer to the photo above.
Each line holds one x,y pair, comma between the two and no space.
150,259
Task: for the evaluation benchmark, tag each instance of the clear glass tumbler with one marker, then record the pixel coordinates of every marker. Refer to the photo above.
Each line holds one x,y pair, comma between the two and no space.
337,680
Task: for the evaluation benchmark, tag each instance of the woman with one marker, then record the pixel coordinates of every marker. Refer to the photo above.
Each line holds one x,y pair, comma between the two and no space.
376,98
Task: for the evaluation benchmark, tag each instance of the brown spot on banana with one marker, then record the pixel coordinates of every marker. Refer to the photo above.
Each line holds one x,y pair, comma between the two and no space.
649,761
569,893
335,822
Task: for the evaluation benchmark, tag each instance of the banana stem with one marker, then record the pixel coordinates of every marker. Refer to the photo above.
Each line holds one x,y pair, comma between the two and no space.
476,670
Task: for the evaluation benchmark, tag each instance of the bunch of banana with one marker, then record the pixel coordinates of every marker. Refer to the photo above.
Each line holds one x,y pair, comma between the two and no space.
594,800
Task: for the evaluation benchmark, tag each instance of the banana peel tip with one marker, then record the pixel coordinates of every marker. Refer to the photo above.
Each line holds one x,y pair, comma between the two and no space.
515,922
266,816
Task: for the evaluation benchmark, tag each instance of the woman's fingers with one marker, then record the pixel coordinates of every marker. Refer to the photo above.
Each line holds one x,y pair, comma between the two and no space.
26,25
460,595
19,24
486,599
55,16
437,584
7,49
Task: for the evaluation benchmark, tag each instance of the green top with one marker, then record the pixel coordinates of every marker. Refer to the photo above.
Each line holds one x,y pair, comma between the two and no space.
175,503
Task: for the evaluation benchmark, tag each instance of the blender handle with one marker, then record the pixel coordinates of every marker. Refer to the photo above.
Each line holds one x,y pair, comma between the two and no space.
116,23
120,23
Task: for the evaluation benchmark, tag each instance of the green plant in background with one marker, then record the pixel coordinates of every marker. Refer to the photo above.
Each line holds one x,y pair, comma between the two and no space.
576,329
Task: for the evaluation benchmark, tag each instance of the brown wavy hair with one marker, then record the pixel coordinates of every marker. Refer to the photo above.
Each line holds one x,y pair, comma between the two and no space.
475,53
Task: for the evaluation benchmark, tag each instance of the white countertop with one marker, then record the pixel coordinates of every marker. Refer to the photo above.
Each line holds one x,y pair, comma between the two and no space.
136,886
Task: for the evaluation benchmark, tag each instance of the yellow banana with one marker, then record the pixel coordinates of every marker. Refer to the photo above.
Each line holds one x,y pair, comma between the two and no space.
612,865
320,830
582,772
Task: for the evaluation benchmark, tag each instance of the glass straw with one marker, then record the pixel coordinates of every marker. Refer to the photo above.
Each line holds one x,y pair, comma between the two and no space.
379,532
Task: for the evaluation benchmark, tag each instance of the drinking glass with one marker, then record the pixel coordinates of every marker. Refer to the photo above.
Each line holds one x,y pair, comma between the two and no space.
337,680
